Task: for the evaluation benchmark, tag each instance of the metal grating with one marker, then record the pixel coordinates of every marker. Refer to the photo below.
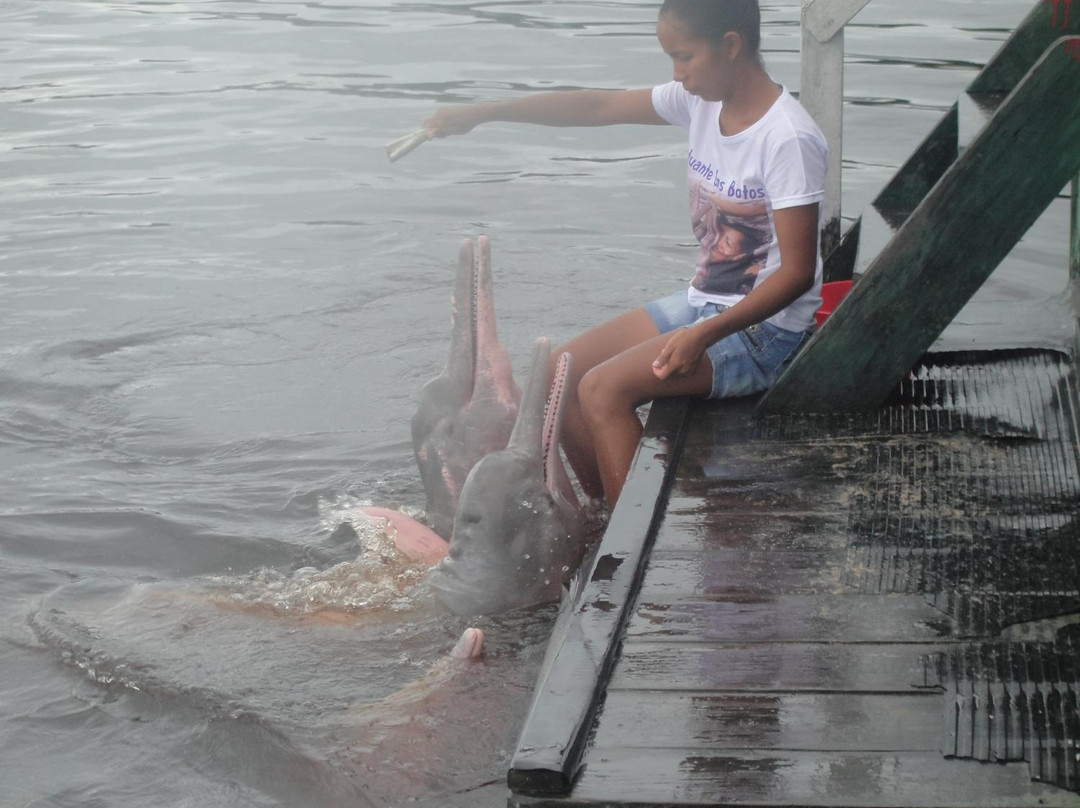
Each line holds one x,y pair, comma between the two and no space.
1003,394
983,515
1014,701
967,491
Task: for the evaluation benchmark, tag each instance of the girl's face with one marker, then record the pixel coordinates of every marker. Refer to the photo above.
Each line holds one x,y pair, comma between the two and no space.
701,68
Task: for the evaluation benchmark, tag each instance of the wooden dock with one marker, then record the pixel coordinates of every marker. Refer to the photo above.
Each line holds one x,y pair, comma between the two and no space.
877,610
864,589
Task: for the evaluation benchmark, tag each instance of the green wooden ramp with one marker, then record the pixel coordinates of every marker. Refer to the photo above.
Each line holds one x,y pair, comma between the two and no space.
947,219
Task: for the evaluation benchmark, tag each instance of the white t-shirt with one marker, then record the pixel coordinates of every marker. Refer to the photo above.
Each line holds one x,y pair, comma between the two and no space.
735,184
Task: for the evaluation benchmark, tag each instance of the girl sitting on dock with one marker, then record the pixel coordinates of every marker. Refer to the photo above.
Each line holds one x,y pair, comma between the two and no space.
754,153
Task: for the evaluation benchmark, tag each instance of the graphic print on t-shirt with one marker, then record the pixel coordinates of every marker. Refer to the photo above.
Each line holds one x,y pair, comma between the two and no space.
735,236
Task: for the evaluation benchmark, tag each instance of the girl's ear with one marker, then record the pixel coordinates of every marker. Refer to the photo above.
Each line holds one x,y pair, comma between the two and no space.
733,45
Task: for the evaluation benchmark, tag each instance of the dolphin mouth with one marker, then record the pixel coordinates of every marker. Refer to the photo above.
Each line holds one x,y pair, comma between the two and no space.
469,600
552,428
474,342
471,325
468,410
475,299
482,337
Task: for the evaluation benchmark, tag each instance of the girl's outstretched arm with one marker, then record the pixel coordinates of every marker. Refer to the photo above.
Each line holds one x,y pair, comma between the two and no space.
560,108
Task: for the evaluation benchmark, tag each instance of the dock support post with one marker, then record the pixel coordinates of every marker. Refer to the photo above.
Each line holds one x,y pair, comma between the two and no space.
1074,259
822,94
1074,233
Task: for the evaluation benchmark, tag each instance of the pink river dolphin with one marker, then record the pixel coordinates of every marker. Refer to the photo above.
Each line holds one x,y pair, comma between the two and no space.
506,527
520,530
468,411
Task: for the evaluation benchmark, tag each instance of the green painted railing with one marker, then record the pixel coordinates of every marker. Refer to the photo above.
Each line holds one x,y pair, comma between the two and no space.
948,218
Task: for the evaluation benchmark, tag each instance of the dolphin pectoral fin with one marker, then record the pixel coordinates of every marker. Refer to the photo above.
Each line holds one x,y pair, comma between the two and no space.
414,540
412,699
470,646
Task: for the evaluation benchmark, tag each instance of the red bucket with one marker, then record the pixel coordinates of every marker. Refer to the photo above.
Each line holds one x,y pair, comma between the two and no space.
831,295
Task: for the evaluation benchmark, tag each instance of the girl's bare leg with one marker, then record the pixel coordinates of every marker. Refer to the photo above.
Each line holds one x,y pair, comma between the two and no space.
595,346
609,395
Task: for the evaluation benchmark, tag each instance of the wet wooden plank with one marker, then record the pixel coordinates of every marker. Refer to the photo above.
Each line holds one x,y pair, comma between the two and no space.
851,722
791,495
848,618
769,667
722,573
670,777
690,526
727,471
737,457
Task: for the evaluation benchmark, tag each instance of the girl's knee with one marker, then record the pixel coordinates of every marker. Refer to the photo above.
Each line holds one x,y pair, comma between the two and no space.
598,393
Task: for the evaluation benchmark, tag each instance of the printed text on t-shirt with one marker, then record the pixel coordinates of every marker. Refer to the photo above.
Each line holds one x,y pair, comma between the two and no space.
732,189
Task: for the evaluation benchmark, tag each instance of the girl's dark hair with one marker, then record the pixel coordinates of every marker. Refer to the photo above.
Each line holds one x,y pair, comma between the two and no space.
712,19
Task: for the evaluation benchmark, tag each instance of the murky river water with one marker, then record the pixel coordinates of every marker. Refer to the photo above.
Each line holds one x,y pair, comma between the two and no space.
218,301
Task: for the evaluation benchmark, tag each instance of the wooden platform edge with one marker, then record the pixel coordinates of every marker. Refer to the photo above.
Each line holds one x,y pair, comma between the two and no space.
582,646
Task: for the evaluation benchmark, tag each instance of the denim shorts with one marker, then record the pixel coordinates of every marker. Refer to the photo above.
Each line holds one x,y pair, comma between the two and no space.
743,363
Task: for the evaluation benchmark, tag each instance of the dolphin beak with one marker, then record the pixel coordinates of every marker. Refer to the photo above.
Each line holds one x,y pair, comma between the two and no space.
458,596
555,477
479,334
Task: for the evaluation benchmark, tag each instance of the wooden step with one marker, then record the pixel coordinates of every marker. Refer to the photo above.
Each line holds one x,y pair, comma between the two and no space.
927,164
875,233
974,112
881,220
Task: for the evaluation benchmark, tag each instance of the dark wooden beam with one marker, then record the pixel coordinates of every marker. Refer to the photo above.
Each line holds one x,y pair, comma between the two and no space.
583,644
947,248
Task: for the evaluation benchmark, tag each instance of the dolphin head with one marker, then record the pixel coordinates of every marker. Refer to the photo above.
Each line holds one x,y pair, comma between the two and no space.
519,532
467,411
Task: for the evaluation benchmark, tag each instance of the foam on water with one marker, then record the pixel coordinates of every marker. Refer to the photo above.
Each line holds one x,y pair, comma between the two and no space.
379,578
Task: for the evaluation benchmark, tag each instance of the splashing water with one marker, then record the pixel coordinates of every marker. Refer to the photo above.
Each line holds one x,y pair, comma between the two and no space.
380,578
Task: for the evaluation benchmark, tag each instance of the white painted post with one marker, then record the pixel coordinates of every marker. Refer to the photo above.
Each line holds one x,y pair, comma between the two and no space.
822,93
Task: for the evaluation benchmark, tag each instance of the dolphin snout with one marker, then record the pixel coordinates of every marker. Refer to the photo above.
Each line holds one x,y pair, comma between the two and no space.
466,589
